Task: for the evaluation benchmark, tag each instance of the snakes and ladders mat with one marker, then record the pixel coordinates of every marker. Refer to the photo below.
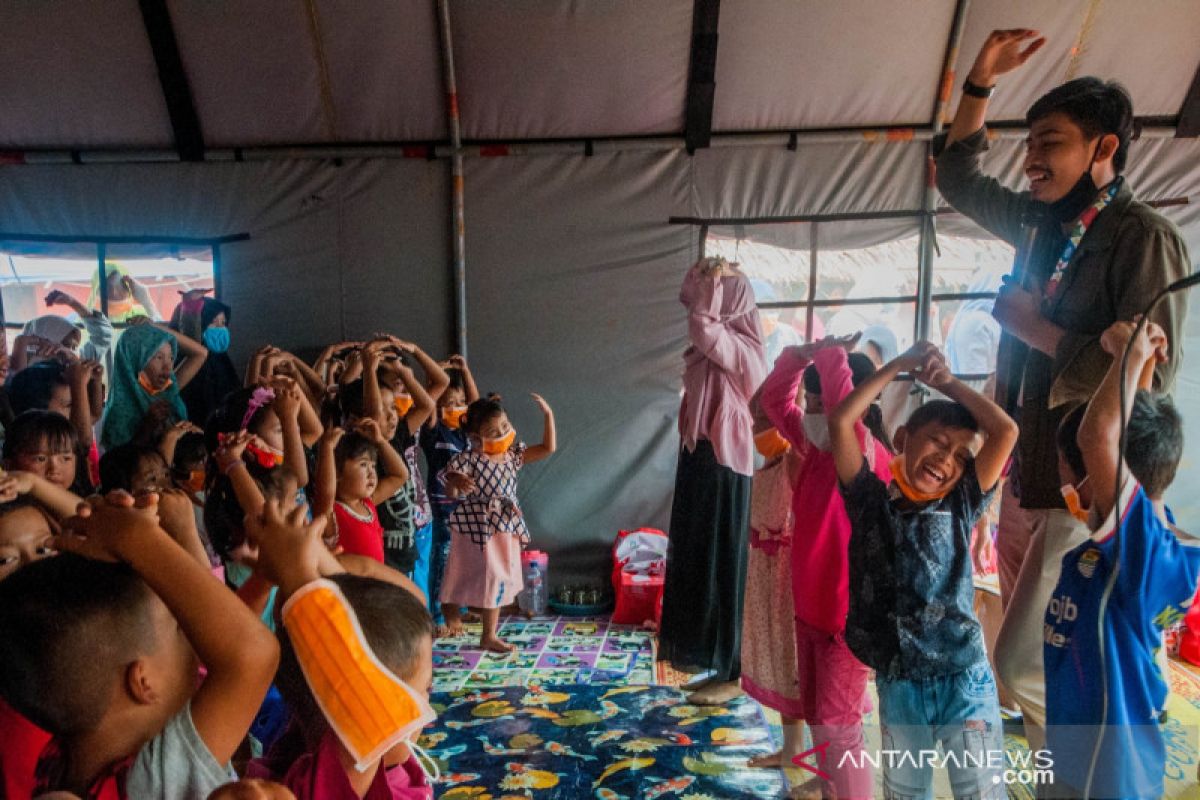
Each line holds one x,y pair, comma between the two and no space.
604,742
550,651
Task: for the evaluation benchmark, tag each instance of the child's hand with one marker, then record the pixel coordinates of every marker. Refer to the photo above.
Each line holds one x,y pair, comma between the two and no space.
541,403
59,298
230,451
456,362
137,319
459,483
287,398
1151,340
331,437
935,373
179,429
369,428
915,357
289,547
104,526
10,486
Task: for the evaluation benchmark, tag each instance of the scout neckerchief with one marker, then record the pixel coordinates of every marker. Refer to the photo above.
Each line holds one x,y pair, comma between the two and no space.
1076,236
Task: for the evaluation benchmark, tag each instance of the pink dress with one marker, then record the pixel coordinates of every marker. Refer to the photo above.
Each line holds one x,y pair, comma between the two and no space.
487,533
820,561
769,666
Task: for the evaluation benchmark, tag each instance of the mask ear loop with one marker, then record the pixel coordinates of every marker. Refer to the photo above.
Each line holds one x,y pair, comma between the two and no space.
422,755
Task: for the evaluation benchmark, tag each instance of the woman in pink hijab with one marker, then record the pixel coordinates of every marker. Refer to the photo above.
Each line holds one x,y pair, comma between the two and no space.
706,562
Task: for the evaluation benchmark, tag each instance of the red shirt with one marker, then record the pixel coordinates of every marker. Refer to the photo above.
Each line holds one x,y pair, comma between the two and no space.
359,536
23,744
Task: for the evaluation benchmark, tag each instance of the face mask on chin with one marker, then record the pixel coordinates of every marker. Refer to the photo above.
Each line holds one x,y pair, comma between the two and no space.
1078,198
816,430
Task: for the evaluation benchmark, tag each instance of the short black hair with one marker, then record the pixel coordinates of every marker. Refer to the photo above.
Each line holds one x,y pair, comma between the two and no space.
861,368
456,378
395,624
120,464
189,450
352,446
1067,439
1097,107
69,626
33,387
227,416
1154,441
33,427
224,517
352,400
481,411
944,412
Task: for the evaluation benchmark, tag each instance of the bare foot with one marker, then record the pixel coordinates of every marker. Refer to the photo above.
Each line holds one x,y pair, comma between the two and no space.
717,693
449,630
496,645
813,789
767,761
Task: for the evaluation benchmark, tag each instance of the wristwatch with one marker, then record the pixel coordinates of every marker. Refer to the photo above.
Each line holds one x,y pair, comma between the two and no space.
975,90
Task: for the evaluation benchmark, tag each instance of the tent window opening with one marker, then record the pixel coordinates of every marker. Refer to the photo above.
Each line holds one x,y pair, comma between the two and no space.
865,278
141,279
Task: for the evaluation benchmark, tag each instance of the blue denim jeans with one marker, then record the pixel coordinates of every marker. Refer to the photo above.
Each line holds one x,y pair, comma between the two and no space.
961,713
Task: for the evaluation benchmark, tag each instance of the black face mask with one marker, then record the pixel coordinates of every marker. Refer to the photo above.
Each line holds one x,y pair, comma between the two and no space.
1080,196
1073,203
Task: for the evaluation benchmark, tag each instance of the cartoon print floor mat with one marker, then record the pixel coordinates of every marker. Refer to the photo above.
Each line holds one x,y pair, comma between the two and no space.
604,742
551,650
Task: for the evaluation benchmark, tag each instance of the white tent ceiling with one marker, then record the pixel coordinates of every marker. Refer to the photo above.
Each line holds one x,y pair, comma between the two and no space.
81,73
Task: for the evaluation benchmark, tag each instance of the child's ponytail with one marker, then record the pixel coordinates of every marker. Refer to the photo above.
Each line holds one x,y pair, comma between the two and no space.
874,423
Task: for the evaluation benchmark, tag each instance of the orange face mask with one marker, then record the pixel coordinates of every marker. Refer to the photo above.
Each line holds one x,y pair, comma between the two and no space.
494,447
770,443
897,467
144,382
196,481
1070,495
404,403
370,708
452,416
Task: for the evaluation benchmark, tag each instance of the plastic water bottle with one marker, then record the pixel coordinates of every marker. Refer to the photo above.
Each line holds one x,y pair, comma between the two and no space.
537,589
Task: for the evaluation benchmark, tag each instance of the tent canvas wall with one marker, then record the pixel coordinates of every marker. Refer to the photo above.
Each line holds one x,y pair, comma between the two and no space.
572,266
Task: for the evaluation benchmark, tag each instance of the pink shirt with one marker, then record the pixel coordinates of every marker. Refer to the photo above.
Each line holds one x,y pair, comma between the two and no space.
321,776
821,534
723,367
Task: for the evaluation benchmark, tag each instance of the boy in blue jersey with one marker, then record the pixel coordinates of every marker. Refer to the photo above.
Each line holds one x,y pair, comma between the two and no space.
1117,591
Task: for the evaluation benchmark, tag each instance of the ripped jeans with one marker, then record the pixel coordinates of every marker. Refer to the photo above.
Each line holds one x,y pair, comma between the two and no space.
961,713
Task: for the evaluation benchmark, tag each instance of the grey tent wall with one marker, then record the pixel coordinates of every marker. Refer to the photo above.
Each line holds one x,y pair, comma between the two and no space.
574,277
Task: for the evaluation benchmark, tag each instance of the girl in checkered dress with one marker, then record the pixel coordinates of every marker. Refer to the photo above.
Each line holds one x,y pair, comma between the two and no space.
488,529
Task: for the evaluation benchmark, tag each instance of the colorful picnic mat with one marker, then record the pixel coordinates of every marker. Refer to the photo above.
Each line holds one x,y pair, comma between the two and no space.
551,650
605,742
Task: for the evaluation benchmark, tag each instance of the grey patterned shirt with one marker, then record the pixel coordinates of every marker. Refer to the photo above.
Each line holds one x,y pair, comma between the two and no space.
912,597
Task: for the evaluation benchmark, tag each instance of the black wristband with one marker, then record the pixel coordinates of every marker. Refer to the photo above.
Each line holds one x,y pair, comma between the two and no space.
975,90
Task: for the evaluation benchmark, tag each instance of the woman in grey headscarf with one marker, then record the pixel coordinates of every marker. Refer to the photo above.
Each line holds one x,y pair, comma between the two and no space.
46,336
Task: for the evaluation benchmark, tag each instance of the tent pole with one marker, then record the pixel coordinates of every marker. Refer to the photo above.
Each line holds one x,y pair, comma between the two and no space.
456,181
929,200
1152,128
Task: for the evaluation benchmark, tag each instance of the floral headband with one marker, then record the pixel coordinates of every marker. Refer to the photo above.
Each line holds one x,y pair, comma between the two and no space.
262,397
